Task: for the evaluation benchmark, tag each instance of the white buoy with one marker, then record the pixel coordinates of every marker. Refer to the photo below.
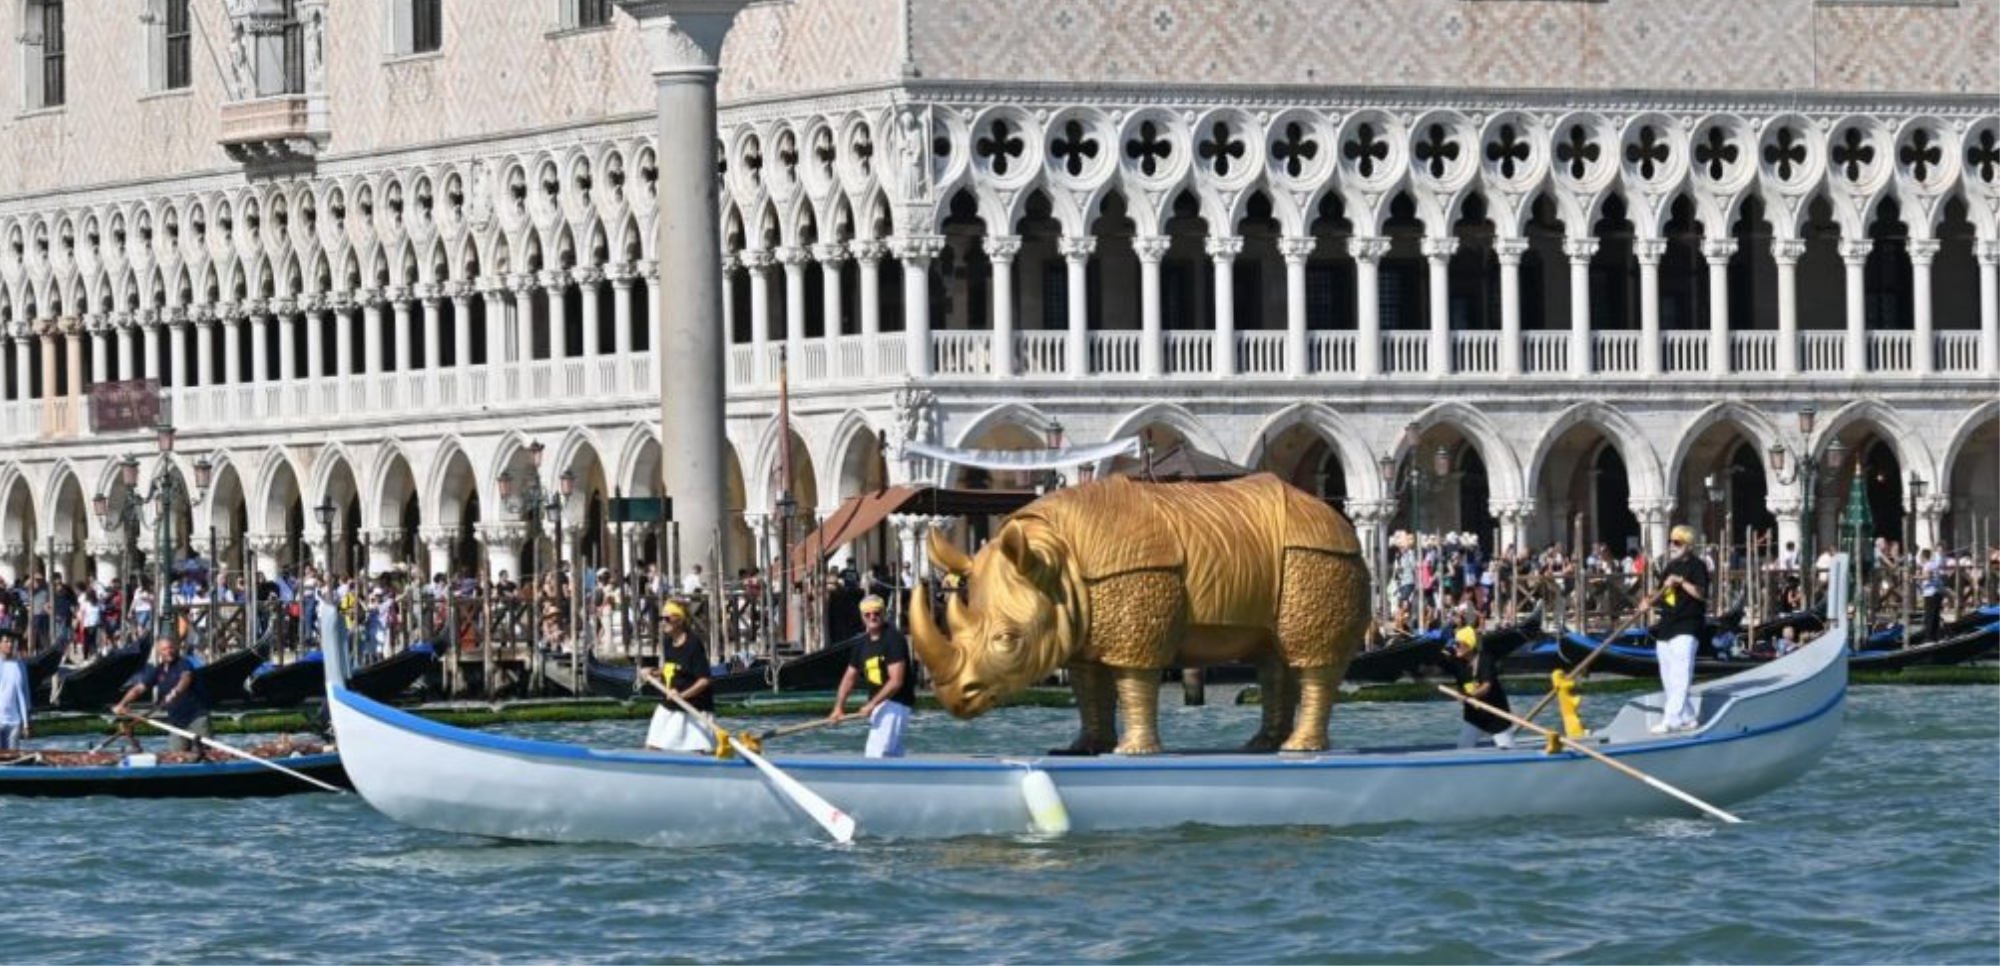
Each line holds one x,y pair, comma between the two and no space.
1046,812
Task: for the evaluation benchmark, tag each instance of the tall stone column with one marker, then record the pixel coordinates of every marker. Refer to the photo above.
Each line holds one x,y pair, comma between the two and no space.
432,299
177,353
621,311
371,333
128,346
795,259
437,543
649,272
1000,252
1150,249
72,336
494,291
461,325
1648,252
757,263
833,300
1222,251
100,348
868,255
106,553
916,252
503,547
1076,251
1988,252
1295,249
202,367
1438,252
1367,252
684,39
260,345
343,338
1786,508
232,348
1923,341
1786,252
555,282
1718,252
1580,251
1656,521
1509,252
288,341
522,285
588,280
266,547
1929,530
1854,255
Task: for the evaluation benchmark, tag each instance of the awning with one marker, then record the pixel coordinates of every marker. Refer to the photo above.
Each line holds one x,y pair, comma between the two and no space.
859,515
1179,463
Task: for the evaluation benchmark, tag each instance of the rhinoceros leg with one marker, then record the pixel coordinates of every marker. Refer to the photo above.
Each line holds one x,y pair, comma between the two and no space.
1096,704
1280,691
1317,686
1139,705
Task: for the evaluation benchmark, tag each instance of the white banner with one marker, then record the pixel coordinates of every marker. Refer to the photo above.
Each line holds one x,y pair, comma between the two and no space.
1024,459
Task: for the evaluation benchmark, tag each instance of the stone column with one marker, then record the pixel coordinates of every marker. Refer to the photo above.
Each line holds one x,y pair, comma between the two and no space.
177,355
555,282
13,561
371,332
587,282
1649,251
1438,252
1222,251
1786,507
1368,517
830,255
1786,252
494,291
1655,520
343,339
1923,340
128,347
461,325
1508,251
433,299
106,552
684,38
1718,252
1295,249
794,259
288,341
1929,529
100,349
868,255
649,271
1367,252
72,336
908,527
1515,516
731,264
757,262
1000,252
437,549
1854,254
1076,251
383,548
522,284
315,337
916,252
1580,251
621,311
1987,250
503,547
1150,249
260,345
202,366
232,348
266,547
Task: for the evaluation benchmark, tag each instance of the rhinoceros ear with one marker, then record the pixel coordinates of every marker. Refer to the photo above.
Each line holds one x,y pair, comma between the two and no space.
1020,551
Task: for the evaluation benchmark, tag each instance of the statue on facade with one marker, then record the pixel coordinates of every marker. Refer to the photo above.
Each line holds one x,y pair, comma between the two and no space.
242,70
315,38
914,154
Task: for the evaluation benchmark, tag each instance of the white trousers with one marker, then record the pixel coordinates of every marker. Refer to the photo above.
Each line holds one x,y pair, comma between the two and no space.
674,731
885,730
1676,673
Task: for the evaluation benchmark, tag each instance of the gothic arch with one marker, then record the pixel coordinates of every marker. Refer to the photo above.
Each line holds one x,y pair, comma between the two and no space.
1967,430
1356,461
1174,416
1503,470
1893,428
1648,480
1753,423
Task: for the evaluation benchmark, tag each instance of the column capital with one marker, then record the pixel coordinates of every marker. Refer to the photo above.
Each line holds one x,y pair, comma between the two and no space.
438,539
1367,248
553,279
491,286
1987,250
426,291
1077,248
1788,251
1784,505
1580,250
105,547
683,36
1652,510
1296,248
586,276
1370,512
1854,251
620,274
1511,511
227,313
869,252
796,256
1223,248
1923,250
756,261
919,249
1003,248
1510,250
649,269
371,298
1440,249
1718,250
1649,251
456,290
265,544
1151,248
833,253
397,293
504,533
1934,505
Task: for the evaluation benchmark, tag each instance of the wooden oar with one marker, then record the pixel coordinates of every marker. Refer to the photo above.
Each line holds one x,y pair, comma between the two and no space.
837,823
232,750
124,731
1583,667
1562,742
803,727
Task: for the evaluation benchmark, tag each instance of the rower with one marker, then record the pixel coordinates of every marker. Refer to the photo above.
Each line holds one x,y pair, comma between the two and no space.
683,671
177,692
883,658
1478,674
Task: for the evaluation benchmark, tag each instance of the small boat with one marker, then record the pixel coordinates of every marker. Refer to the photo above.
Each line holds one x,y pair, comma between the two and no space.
99,682
71,774
1882,654
227,678
284,685
42,670
820,670
290,684
1757,731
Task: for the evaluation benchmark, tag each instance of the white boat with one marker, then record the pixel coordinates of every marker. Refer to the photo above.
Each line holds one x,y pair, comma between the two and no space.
1758,730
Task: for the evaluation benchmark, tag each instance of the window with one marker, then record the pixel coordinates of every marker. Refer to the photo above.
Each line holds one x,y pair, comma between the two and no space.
179,34
295,50
45,82
592,13
427,27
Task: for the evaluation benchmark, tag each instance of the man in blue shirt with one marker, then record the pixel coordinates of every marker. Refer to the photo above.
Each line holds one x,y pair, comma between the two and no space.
14,701
177,694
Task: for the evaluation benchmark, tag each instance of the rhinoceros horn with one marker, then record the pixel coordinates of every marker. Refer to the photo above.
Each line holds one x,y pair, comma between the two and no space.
933,648
946,556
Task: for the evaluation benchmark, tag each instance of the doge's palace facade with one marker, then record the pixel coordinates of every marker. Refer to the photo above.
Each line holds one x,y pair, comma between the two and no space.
1494,265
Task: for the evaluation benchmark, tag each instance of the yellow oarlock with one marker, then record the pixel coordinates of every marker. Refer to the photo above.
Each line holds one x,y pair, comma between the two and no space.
1568,703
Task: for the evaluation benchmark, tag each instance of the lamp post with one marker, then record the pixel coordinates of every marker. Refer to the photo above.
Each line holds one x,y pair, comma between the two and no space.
1906,573
530,501
1796,464
166,493
1417,485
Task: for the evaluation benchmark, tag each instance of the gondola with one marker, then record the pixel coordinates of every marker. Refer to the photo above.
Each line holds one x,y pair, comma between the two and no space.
98,683
383,680
73,774
1968,645
227,678
1757,731
820,670
42,670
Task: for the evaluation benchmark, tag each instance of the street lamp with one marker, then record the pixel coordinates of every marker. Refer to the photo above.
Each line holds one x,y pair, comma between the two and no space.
165,494
1416,484
325,512
531,501
1801,468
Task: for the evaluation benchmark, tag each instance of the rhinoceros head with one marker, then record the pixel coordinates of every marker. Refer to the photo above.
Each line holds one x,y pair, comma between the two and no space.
1015,627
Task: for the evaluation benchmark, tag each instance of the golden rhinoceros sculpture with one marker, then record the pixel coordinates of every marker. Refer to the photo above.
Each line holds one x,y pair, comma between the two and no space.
1118,580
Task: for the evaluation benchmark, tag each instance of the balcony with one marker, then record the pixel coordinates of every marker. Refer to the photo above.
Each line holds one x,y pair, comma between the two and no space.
275,130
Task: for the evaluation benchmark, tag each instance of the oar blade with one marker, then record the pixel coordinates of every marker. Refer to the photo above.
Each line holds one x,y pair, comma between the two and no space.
838,824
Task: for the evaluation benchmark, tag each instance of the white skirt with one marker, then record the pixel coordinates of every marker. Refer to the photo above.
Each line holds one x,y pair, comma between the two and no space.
674,731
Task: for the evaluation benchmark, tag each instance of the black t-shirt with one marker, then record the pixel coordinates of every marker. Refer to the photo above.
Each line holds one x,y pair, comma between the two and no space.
1483,669
684,665
872,657
1681,613
161,681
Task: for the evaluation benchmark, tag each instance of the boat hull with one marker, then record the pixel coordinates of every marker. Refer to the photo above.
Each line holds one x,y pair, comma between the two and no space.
231,778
